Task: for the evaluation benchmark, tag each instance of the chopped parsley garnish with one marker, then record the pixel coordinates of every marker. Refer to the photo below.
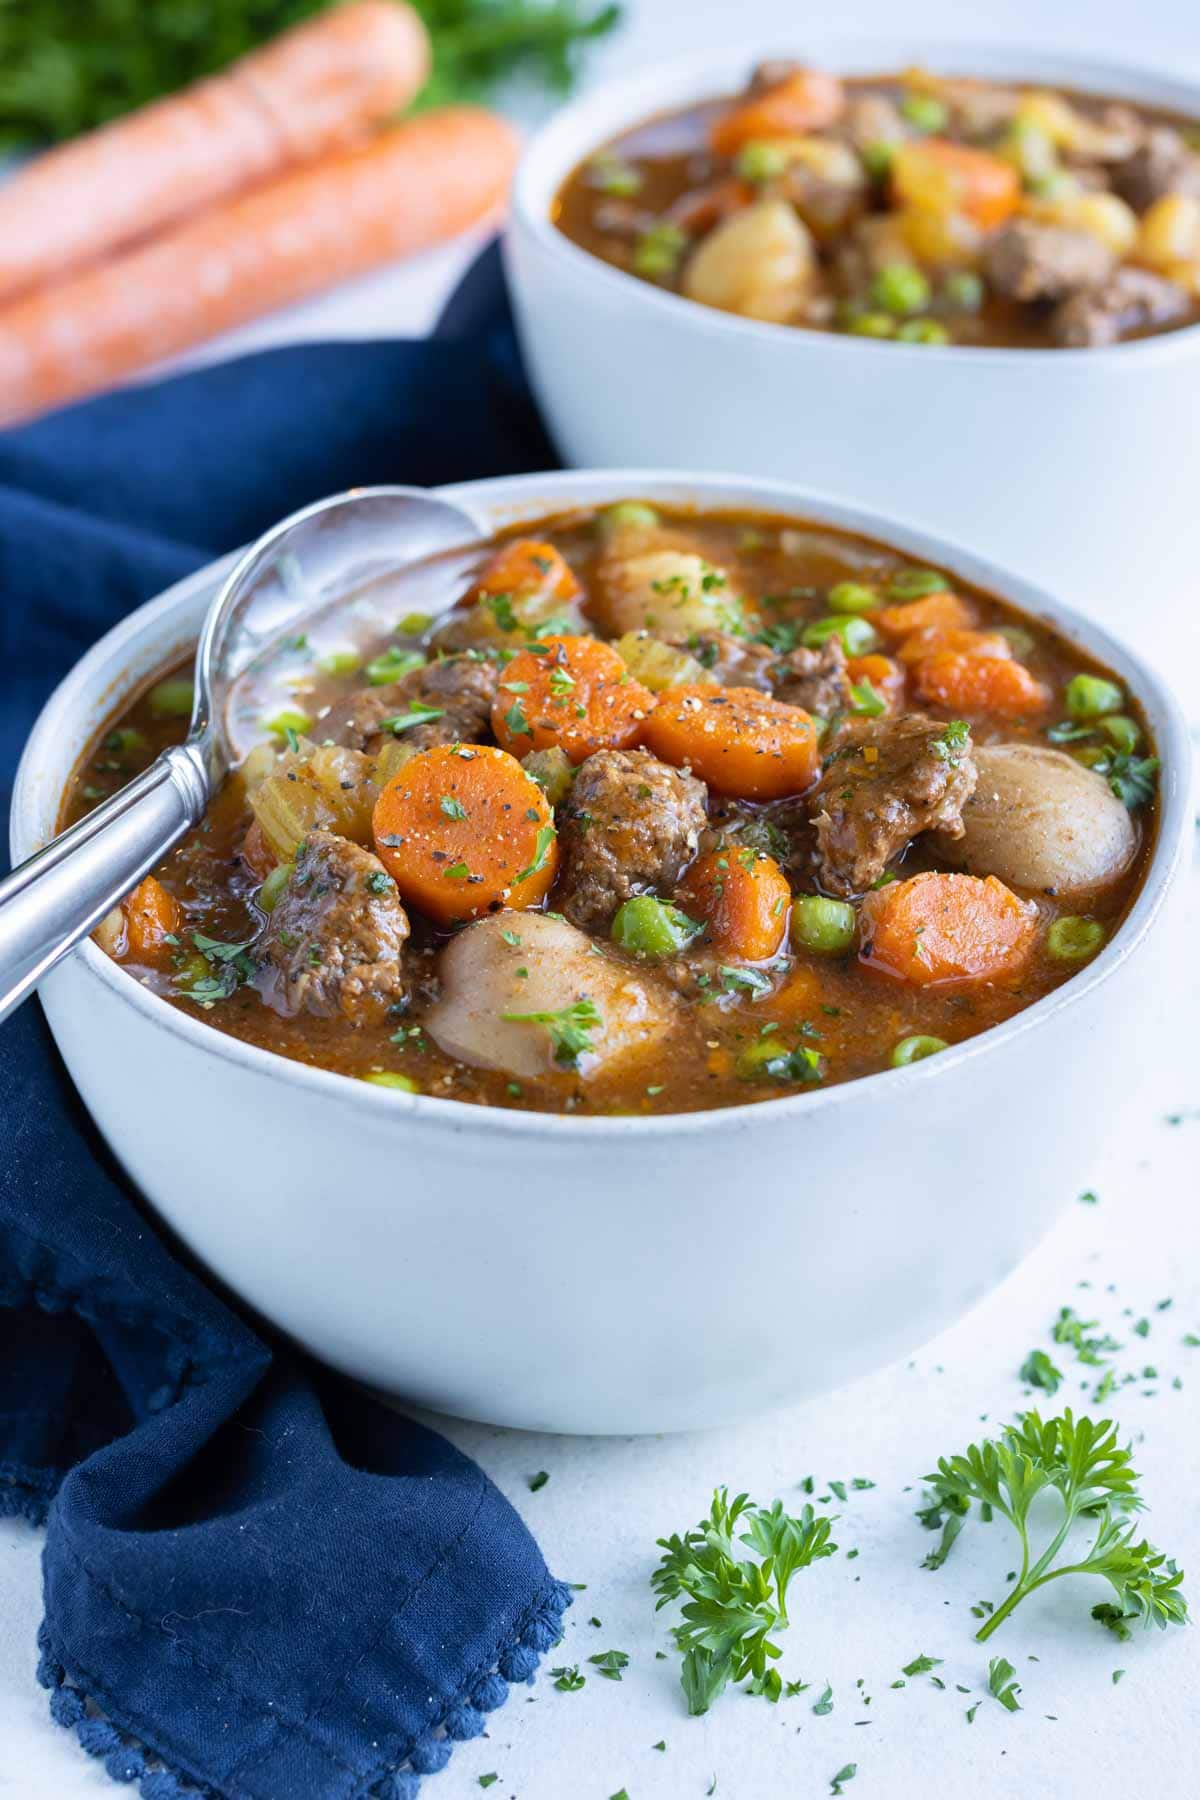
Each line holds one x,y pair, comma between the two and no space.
866,702
416,715
953,741
453,809
1001,1685
570,1029
231,965
1131,778
459,871
610,1663
538,1481
516,721
746,981
1040,1372
541,854
568,1680
846,1774
379,883
501,608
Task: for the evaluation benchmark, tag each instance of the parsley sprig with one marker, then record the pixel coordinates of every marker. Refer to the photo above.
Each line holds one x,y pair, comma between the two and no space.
732,1603
1080,1460
570,1029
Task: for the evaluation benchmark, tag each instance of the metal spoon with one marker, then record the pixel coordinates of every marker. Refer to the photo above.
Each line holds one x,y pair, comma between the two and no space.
317,555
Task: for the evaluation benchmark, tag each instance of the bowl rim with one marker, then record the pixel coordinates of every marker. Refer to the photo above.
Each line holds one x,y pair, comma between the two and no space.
505,500
599,113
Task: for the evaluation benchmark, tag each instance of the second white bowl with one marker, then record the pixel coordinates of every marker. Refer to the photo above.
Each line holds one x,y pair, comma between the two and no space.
1076,465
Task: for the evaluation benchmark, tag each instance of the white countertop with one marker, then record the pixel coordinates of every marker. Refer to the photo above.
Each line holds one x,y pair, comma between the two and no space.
607,1500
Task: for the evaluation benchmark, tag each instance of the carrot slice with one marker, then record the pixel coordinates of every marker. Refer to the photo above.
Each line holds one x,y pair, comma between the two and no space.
571,692
938,929
799,998
882,673
310,91
931,639
948,611
527,566
741,741
743,897
806,100
402,190
949,177
462,829
151,916
256,853
980,684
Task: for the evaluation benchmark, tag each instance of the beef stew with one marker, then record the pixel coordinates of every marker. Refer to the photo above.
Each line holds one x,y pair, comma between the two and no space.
669,812
916,208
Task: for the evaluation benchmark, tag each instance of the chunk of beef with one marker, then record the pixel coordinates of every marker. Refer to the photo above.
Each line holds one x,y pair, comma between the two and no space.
1130,300
459,688
872,119
813,679
333,946
632,824
1031,261
1162,165
886,781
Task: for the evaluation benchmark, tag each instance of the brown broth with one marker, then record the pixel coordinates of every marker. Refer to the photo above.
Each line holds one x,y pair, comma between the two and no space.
856,1015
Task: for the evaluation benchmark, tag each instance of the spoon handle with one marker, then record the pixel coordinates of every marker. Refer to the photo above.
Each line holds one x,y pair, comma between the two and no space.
60,894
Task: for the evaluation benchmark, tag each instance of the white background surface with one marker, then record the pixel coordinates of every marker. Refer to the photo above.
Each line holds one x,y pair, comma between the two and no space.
608,1499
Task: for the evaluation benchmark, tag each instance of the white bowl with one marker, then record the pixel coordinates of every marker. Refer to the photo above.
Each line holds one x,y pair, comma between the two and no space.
605,1274
1079,466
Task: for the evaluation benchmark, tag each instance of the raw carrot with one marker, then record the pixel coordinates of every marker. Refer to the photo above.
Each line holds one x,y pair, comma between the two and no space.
407,188
932,639
462,830
573,693
806,100
885,676
939,929
311,91
525,567
948,611
741,741
743,898
975,684
933,173
151,916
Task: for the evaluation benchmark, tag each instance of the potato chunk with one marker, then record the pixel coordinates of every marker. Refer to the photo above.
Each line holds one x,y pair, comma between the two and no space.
1039,820
761,263
673,593
528,963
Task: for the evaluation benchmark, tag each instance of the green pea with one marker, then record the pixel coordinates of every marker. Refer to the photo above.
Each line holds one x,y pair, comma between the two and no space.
414,624
1090,696
914,584
852,597
928,114
901,288
963,291
760,161
877,160
612,175
870,324
273,886
826,927
171,699
340,662
388,1078
650,927
392,665
657,251
627,513
1121,732
916,1049
858,635
1074,939
922,331
290,719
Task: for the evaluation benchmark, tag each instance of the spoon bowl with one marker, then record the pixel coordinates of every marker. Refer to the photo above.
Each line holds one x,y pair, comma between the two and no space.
311,560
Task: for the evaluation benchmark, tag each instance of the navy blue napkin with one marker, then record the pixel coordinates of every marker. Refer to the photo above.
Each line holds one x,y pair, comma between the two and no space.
258,1580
